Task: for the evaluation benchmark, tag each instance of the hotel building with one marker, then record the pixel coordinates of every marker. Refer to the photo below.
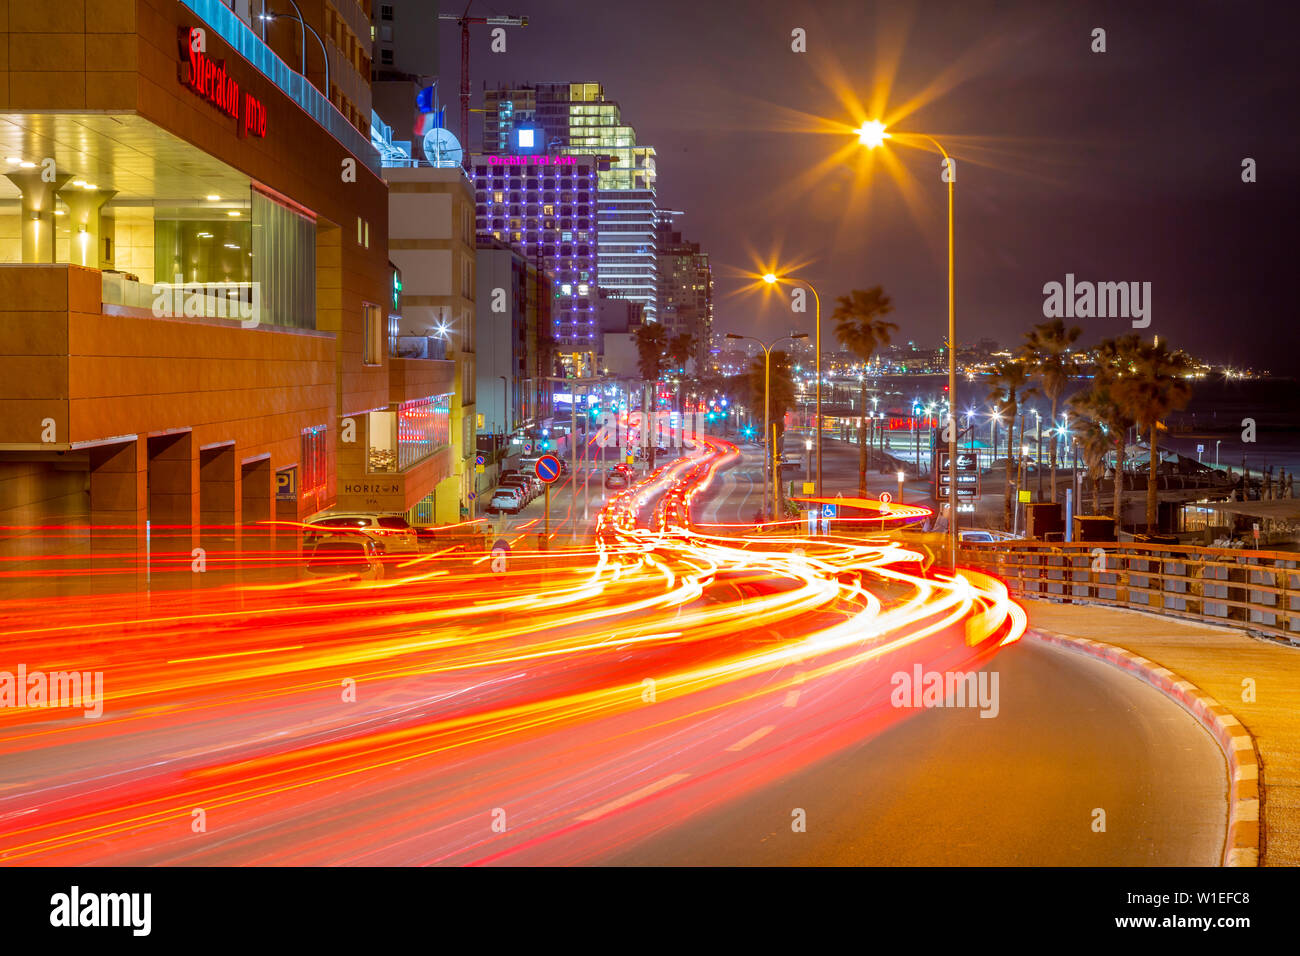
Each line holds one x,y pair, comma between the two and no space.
576,119
196,300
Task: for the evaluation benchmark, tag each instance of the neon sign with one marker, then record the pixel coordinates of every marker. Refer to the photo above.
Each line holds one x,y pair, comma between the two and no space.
209,79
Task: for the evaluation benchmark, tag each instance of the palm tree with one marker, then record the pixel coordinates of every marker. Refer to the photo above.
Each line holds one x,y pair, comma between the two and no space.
1155,387
651,343
679,351
1088,423
780,394
861,331
1010,382
1115,359
1047,350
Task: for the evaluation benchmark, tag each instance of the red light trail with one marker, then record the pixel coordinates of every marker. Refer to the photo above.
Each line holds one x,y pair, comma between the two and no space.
552,713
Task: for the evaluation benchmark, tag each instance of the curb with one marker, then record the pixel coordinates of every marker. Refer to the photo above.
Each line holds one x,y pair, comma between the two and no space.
1238,746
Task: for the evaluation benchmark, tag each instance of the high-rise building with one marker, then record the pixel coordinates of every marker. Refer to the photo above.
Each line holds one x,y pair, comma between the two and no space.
576,119
193,302
547,210
685,293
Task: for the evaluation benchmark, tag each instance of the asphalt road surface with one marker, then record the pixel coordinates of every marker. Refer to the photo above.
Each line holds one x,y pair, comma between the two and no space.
947,787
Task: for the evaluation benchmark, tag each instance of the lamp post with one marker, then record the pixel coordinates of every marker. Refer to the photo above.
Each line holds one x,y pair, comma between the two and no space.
769,477
272,15
771,279
1217,443
872,134
901,476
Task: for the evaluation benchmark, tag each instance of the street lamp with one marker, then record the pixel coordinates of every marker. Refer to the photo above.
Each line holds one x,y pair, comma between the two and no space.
771,279
271,15
871,135
767,406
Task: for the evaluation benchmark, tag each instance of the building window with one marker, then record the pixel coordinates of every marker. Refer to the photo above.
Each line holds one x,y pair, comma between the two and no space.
372,351
385,11
403,436
386,57
314,460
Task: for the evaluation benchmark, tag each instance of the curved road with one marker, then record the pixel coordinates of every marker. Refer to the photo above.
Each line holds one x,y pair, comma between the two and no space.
1073,735
949,788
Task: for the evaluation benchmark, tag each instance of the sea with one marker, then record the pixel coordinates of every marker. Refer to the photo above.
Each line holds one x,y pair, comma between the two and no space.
1215,421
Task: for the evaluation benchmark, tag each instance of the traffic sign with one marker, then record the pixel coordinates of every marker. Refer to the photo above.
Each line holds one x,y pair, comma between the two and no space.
828,511
548,468
1024,495
528,448
886,497
478,460
480,469
809,488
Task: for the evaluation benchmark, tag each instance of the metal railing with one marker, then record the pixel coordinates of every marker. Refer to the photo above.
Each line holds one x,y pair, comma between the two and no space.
313,102
1255,590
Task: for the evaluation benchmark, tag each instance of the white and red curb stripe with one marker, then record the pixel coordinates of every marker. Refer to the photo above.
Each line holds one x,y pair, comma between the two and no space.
1236,742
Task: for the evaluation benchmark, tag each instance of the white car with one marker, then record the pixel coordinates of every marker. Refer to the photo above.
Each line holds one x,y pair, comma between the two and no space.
507,499
981,536
354,555
392,533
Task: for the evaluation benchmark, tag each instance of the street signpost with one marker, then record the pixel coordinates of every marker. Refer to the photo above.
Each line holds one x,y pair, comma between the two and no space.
547,470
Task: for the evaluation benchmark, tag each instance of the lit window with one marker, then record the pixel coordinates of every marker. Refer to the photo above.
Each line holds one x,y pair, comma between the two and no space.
526,139
566,289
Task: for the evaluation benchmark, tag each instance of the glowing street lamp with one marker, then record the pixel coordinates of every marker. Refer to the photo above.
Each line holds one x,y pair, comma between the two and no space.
767,383
871,135
771,278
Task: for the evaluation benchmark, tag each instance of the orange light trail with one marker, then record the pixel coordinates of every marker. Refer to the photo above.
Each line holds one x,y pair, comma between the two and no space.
560,686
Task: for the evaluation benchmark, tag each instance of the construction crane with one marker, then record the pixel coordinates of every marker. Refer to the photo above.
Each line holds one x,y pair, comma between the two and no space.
465,20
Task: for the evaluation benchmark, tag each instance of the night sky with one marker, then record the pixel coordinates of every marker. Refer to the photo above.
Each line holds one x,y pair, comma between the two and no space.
1115,166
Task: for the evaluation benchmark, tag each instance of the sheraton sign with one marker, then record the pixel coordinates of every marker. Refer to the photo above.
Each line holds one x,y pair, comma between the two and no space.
209,79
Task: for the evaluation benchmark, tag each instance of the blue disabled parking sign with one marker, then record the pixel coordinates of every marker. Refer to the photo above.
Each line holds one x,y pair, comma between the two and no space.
828,511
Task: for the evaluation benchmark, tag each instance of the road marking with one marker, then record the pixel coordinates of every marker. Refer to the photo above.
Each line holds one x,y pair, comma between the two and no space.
791,698
755,736
634,796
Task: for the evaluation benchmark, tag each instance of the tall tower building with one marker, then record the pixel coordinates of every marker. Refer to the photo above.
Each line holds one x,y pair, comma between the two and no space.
685,288
576,119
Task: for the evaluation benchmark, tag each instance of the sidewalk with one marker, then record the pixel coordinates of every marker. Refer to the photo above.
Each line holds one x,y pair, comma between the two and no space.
1217,660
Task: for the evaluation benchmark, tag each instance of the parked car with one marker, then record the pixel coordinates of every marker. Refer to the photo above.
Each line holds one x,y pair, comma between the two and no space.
523,484
507,499
345,553
981,536
392,533
530,479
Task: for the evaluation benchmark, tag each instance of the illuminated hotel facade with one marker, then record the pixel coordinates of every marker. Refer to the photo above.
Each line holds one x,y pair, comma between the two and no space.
576,119
195,289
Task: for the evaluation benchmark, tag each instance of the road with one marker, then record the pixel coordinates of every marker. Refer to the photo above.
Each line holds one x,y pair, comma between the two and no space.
948,788
570,708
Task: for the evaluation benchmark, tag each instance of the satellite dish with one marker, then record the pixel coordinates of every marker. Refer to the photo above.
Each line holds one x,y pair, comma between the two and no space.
441,148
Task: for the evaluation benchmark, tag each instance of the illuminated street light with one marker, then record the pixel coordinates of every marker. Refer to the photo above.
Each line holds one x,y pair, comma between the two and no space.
871,135
771,278
767,381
